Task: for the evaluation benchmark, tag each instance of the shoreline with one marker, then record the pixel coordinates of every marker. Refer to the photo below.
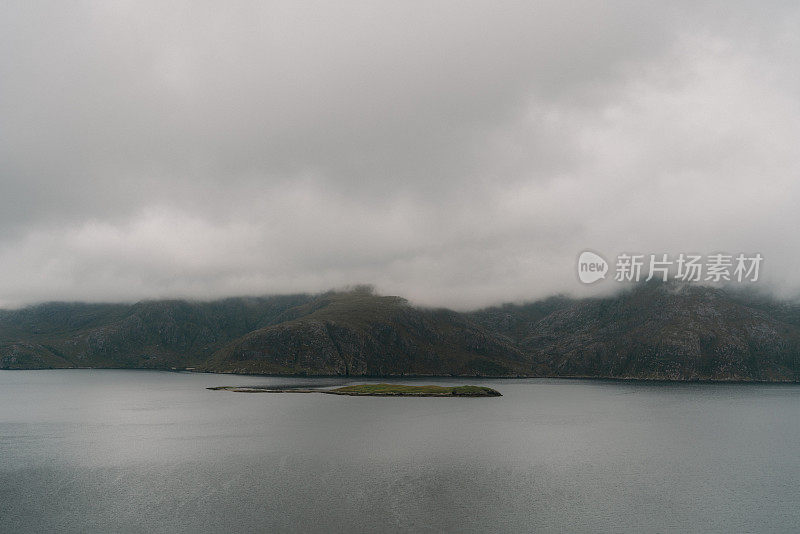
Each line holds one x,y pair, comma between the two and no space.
431,376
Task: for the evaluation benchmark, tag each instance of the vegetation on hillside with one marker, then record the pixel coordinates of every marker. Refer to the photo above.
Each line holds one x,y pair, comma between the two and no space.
654,331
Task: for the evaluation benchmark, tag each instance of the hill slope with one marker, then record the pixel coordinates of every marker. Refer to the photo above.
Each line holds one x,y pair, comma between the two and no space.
655,331
663,331
359,333
149,334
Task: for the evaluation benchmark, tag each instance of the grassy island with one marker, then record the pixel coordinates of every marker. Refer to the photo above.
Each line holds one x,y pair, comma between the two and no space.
378,390
399,390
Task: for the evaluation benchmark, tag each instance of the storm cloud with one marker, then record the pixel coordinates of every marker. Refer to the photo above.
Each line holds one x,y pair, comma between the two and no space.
457,153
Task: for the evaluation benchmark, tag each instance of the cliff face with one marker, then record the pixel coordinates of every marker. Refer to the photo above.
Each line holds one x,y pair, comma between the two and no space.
654,331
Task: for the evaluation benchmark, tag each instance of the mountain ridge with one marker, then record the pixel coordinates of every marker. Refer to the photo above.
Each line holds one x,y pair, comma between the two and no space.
652,331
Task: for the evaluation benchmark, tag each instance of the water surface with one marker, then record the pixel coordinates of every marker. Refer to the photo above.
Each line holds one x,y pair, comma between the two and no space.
149,451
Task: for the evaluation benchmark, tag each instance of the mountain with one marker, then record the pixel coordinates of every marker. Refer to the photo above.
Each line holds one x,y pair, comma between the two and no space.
657,331
149,334
671,332
359,333
653,331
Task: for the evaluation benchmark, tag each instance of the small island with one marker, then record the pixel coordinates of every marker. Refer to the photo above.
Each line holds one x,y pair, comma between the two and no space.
377,390
399,390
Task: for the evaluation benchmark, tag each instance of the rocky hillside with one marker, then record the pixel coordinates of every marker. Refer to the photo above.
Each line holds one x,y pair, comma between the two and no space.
655,331
150,334
359,333
658,331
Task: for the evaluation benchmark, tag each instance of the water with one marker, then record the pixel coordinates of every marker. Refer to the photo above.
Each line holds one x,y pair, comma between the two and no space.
146,451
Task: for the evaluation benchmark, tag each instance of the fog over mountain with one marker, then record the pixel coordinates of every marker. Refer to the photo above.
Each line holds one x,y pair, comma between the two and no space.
460,154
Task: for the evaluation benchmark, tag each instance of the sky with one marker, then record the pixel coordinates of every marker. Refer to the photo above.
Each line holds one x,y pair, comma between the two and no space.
457,153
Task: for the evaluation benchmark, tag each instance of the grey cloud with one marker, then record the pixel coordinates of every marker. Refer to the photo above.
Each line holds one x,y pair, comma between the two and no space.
459,153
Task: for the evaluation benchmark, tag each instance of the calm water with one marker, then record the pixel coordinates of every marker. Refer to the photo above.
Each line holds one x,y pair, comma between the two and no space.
141,451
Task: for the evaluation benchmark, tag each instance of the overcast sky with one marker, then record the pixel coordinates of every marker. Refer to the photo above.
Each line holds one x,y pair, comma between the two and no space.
456,153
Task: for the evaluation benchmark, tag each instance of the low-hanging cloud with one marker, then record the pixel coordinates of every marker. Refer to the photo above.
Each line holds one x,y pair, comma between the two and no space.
458,153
